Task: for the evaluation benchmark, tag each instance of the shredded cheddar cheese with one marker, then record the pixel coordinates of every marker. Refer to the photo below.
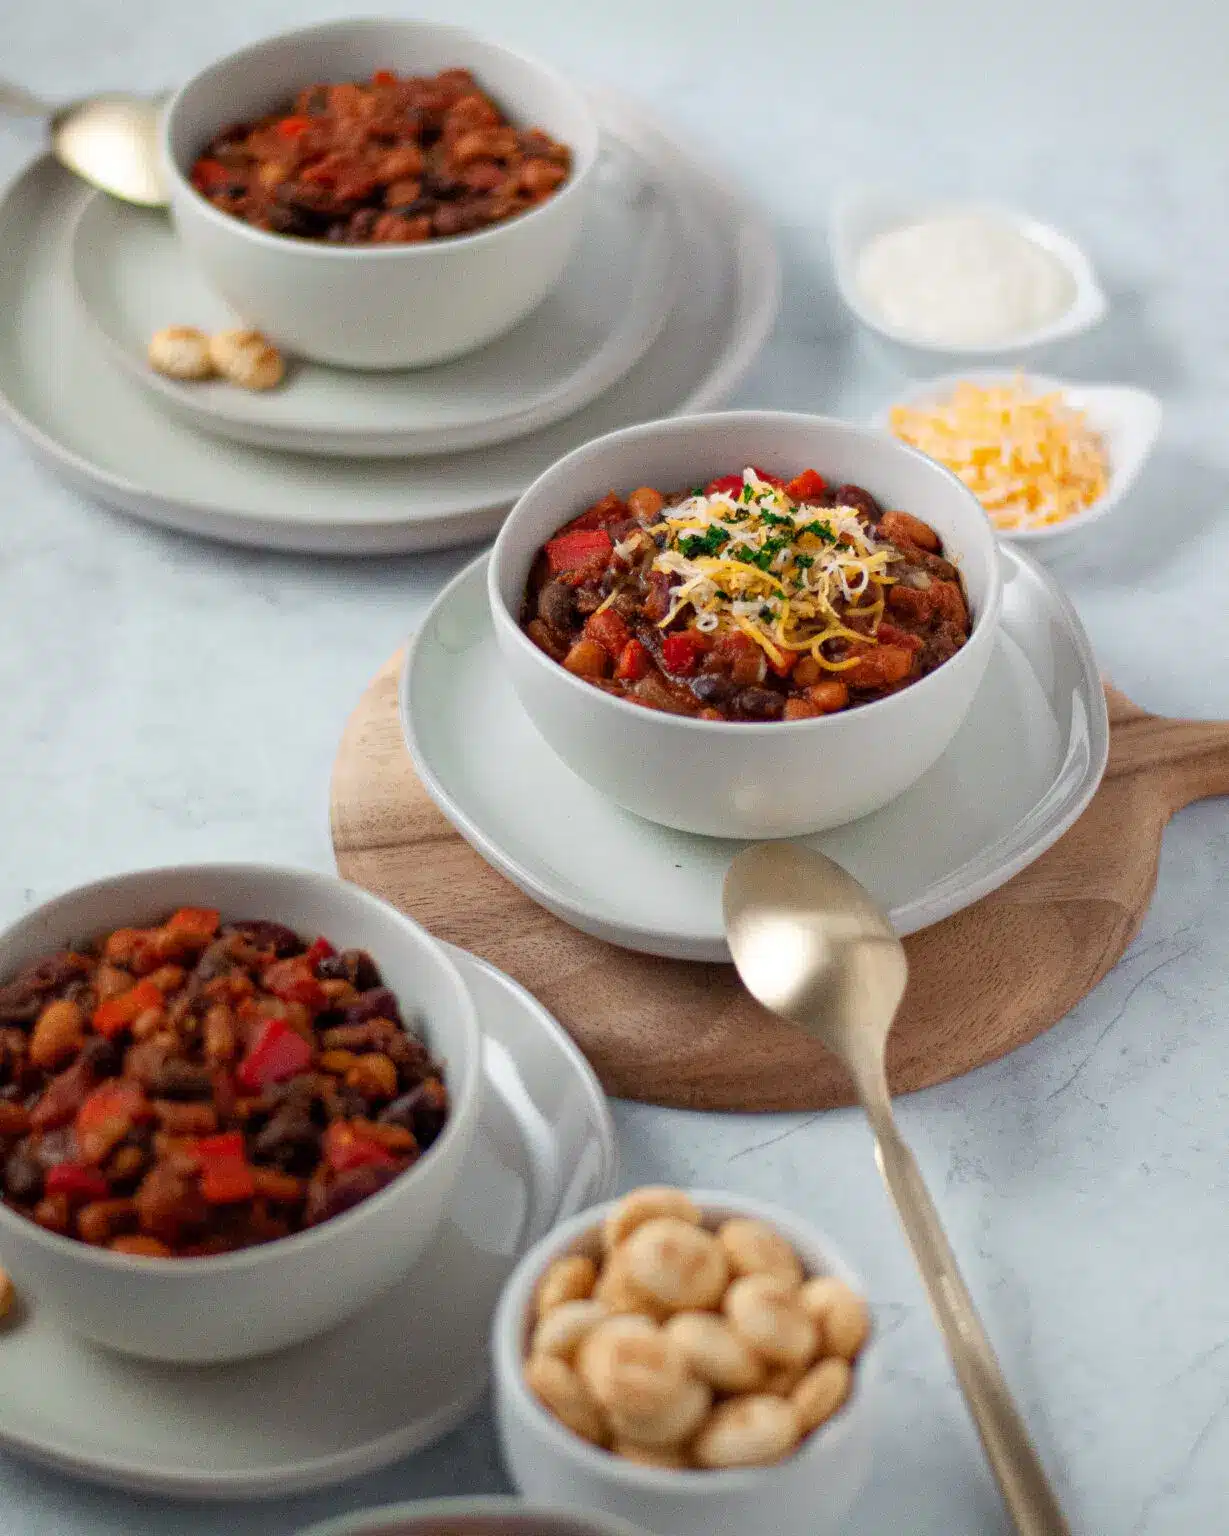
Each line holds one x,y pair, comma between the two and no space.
1032,460
774,568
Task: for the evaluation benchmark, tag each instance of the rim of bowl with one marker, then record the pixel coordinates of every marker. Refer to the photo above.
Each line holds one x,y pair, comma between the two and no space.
319,249
1087,308
985,623
511,1315
372,1522
920,391
463,1109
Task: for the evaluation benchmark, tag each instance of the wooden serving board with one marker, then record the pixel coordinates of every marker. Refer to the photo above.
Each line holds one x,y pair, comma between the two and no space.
671,1032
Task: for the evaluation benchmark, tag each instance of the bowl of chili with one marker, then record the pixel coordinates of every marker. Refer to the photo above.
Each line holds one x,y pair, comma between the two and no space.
379,193
809,609
234,1102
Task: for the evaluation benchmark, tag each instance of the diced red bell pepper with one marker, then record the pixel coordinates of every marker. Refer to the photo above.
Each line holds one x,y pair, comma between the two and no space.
384,77
293,127
769,479
633,662
276,1053
808,486
346,1148
610,631
318,950
889,634
680,652
226,1175
582,549
109,1112
208,174
76,1182
783,668
294,981
724,485
612,508
199,922
119,1013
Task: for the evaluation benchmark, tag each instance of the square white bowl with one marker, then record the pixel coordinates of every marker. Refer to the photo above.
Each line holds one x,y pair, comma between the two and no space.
1127,419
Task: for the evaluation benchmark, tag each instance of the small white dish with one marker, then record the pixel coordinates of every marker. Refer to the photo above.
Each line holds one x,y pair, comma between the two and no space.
472,1517
809,1492
378,306
1019,771
232,1306
859,214
1128,420
781,778
388,1382
104,435
607,311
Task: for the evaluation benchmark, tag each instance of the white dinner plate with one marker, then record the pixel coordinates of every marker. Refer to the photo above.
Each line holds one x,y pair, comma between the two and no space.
106,435
1022,767
133,277
386,1383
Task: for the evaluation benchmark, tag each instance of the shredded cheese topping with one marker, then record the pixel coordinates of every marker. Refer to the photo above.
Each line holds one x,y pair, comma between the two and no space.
774,568
1032,460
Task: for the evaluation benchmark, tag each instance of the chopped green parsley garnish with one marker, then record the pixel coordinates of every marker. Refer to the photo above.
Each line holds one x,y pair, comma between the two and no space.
820,530
710,542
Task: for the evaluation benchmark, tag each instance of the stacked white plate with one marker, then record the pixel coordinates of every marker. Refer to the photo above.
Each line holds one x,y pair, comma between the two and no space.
669,297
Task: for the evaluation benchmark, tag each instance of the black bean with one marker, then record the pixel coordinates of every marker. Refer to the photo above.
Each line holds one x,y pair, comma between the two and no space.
759,703
332,968
361,969
176,1079
23,1177
281,940
346,1191
103,1056
378,1003
418,1111
290,1141
714,689
557,606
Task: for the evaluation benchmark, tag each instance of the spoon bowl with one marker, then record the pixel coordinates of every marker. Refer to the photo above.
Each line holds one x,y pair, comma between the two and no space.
109,140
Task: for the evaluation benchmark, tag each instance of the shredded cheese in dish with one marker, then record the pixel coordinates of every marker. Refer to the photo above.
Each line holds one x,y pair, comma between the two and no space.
772,567
1032,460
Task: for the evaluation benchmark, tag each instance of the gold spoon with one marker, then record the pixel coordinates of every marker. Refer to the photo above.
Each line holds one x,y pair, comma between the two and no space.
813,947
110,141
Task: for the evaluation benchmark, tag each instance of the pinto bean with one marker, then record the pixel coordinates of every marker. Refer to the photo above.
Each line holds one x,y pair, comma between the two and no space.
902,528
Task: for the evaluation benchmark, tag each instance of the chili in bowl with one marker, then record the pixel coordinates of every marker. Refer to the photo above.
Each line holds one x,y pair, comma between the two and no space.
876,575
380,193
223,1130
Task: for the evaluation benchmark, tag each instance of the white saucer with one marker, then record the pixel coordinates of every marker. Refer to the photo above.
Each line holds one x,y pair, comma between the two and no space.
133,277
1022,767
106,435
385,1384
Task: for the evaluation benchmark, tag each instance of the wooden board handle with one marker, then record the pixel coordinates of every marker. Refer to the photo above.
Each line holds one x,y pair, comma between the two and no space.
1189,757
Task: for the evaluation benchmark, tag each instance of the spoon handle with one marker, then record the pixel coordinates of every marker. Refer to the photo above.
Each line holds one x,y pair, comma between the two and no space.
1021,1478
15,101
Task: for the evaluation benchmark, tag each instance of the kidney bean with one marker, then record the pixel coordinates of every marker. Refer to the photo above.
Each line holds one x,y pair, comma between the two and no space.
281,940
345,1192
759,703
378,1003
861,501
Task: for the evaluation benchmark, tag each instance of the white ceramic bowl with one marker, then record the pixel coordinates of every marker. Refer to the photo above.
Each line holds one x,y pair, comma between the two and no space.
803,1496
1128,420
386,306
471,1517
263,1298
859,214
782,778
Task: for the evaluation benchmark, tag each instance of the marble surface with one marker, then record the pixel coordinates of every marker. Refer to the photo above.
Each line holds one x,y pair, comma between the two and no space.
168,700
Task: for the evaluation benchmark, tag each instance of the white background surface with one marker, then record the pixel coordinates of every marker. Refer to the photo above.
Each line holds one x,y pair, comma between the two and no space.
166,700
